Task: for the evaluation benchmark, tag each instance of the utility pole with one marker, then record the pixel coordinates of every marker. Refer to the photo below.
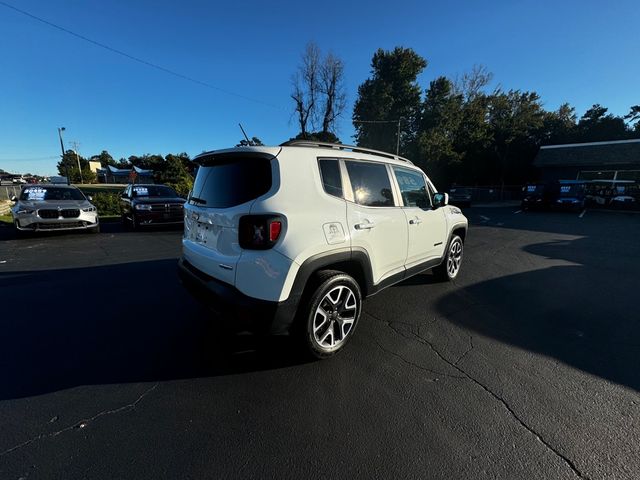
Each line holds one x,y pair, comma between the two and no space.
66,168
76,145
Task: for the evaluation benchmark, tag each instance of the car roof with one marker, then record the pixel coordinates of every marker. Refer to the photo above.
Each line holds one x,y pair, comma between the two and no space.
319,150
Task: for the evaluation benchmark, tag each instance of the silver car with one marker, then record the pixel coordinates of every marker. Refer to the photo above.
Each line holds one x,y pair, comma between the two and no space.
45,207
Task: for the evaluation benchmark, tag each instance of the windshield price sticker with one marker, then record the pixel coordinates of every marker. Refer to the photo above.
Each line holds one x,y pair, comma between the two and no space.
142,191
531,188
565,189
36,193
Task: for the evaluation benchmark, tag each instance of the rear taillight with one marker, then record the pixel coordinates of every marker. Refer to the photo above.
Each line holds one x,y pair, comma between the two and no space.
259,232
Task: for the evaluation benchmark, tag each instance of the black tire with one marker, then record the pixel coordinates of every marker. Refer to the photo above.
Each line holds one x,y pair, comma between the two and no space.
134,224
95,229
346,308
445,272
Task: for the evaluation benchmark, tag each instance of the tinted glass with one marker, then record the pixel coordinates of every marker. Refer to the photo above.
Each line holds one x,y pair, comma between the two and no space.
51,193
153,191
412,188
570,190
231,182
370,183
331,180
535,188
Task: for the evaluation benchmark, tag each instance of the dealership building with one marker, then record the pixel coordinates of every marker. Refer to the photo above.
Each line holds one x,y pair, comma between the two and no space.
124,175
615,160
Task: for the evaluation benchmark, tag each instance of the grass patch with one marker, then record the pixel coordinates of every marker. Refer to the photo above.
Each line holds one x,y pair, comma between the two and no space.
93,188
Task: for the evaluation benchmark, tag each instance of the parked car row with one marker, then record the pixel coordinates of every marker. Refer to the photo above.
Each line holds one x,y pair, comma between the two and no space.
578,194
47,207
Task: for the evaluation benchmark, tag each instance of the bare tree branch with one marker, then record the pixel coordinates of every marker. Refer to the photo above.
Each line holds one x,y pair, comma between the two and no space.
332,87
471,83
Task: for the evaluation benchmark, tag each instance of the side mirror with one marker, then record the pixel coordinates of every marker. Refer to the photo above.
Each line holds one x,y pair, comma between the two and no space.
440,199
14,198
90,198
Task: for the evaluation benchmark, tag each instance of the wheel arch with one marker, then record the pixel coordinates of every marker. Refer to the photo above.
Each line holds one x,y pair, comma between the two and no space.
461,231
355,263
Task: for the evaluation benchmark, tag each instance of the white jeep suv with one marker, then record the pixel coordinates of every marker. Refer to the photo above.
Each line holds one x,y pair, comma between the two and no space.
291,239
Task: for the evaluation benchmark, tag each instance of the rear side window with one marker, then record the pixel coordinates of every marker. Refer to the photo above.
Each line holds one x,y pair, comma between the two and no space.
230,182
370,183
331,179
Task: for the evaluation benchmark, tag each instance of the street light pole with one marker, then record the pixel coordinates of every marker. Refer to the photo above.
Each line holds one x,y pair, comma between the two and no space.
66,168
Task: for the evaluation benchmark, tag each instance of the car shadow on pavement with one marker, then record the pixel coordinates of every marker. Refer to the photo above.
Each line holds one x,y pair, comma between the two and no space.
582,312
130,322
8,232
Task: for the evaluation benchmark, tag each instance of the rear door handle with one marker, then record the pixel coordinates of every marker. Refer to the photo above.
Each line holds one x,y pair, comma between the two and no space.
415,221
364,226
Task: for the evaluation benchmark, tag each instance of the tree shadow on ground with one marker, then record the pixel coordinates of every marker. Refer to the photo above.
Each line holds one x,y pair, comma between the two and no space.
121,323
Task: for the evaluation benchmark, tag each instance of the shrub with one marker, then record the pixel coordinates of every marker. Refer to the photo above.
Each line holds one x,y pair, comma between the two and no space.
107,203
182,186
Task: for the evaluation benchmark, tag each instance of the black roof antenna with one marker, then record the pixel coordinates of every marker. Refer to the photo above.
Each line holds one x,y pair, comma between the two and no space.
245,135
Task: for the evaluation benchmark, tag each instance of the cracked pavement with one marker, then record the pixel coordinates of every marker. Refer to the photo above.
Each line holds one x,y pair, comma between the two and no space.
525,367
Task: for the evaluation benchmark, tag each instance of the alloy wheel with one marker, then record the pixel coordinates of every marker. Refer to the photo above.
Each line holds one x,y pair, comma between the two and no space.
455,258
334,318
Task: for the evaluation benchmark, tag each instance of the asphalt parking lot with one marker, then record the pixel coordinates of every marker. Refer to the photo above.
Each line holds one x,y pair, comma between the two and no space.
525,367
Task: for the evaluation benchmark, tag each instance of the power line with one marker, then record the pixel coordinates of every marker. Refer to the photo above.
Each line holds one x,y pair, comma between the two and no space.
137,59
33,159
371,121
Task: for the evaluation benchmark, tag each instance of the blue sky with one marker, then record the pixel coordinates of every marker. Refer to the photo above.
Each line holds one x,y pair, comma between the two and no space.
581,52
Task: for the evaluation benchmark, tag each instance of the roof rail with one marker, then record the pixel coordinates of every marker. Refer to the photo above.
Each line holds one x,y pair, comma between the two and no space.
340,146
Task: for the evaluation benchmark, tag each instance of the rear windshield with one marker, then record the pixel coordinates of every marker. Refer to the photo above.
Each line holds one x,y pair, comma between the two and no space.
153,191
231,182
51,193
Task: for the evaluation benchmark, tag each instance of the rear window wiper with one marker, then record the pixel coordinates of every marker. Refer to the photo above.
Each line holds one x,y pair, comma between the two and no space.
198,200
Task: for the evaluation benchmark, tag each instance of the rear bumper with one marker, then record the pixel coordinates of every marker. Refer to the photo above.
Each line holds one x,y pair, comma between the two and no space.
240,311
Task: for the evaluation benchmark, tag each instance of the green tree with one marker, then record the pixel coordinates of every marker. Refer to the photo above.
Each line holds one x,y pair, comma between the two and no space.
123,163
439,128
559,126
391,93
515,119
104,158
176,173
148,162
253,142
596,126
634,116
69,163
324,137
